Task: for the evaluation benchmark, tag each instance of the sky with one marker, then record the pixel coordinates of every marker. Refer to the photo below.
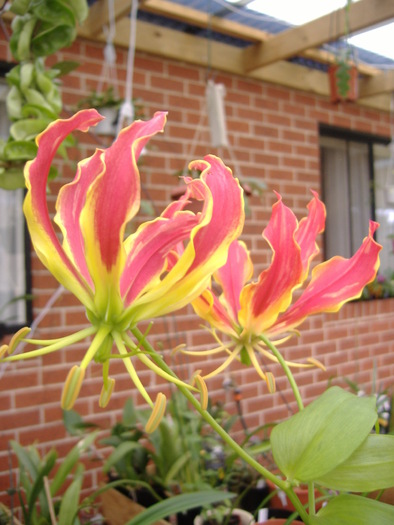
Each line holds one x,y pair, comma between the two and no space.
379,40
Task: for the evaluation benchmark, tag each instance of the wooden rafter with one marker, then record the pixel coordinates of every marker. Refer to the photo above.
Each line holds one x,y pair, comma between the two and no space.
331,27
98,17
162,41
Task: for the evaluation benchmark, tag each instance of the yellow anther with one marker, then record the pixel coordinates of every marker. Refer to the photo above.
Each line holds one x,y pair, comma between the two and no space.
72,387
17,337
157,413
270,380
316,363
106,392
3,350
202,388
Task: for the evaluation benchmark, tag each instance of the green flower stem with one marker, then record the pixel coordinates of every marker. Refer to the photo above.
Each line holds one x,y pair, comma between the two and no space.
286,370
281,484
297,395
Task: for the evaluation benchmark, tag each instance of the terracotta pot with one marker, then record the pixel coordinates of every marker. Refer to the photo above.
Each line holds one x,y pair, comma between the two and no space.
352,94
281,501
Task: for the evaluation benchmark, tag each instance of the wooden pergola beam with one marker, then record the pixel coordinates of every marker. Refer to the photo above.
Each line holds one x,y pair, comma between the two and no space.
98,17
382,83
331,27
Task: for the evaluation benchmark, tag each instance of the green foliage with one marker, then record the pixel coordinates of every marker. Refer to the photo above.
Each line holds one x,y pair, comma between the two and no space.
45,489
177,504
39,29
330,443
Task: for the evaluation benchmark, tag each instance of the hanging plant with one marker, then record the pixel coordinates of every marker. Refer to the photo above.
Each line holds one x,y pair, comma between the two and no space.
343,78
39,29
343,74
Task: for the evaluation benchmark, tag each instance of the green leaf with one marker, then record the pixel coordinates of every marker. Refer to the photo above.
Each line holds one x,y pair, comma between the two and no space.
32,110
65,67
69,462
20,42
14,103
19,7
354,510
80,9
27,129
370,467
54,12
74,423
177,504
20,150
70,500
38,489
12,178
51,39
119,453
323,435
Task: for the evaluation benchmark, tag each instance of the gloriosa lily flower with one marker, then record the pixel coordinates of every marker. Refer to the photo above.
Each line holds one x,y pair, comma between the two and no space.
122,281
255,314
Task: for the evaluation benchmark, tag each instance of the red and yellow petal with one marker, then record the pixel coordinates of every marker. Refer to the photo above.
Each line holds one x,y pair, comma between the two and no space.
333,283
233,276
208,307
308,229
112,200
221,222
263,301
42,233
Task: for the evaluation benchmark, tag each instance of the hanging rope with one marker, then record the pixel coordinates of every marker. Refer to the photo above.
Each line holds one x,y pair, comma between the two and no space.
126,113
109,65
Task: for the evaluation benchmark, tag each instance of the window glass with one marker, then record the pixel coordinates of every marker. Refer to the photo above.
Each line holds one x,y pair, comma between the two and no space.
358,185
13,262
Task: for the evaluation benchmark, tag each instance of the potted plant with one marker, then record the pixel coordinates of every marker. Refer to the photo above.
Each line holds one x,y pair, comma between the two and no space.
343,74
44,491
224,515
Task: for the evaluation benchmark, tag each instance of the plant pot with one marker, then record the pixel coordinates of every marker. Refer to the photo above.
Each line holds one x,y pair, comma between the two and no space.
245,517
352,93
108,125
271,515
280,500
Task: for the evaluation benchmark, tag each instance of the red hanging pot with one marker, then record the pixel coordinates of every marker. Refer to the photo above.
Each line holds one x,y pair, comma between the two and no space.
343,81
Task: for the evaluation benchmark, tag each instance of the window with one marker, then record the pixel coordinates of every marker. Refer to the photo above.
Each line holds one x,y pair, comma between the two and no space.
15,309
358,185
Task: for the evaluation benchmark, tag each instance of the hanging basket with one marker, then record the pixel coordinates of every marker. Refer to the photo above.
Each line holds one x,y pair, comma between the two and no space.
343,90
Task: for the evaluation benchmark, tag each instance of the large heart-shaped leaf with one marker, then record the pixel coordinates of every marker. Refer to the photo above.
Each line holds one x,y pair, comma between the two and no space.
370,467
347,509
323,435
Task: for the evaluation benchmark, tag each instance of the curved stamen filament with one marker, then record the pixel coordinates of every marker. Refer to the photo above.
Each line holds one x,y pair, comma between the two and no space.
57,345
234,355
130,367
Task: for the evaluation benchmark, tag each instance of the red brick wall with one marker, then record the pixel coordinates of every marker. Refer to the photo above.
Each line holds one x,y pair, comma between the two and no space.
273,133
